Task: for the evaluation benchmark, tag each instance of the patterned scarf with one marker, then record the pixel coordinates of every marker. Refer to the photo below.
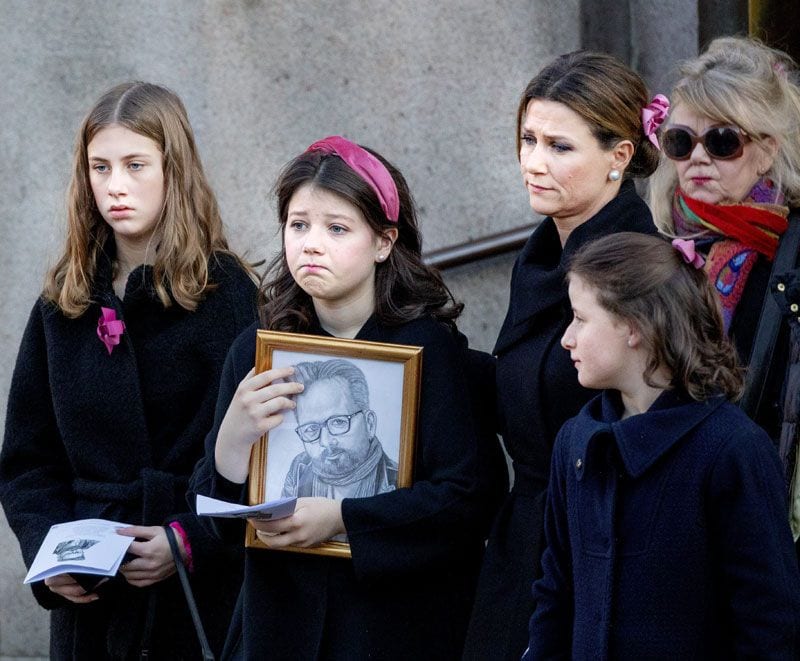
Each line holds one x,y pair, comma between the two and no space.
733,235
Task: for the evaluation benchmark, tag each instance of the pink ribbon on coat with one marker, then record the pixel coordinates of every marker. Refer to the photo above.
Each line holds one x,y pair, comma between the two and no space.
109,328
653,116
687,250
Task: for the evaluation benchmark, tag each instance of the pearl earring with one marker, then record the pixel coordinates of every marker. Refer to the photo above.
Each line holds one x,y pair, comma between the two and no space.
380,258
614,175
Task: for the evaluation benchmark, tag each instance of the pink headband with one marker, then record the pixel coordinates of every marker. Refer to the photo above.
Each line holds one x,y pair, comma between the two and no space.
686,248
653,116
369,168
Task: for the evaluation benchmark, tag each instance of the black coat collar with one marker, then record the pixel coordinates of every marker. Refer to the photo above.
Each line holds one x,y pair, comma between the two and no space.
538,280
139,289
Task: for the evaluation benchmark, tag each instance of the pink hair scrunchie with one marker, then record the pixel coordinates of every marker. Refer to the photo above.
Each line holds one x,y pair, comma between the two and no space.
653,116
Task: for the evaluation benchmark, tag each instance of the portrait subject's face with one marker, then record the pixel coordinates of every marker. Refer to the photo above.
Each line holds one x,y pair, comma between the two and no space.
329,404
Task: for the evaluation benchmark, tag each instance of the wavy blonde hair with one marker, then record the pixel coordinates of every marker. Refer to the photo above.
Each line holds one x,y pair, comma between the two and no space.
739,81
189,228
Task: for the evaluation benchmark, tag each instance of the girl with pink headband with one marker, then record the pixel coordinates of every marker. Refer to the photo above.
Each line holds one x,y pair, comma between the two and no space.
351,267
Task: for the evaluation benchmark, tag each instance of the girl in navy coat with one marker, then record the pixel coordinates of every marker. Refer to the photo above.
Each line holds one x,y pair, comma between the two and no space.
351,267
116,380
666,528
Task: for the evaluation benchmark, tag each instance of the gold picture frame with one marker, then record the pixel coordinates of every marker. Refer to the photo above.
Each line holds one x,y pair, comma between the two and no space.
392,373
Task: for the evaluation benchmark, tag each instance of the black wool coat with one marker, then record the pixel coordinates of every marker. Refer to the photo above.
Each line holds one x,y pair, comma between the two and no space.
537,391
408,589
93,435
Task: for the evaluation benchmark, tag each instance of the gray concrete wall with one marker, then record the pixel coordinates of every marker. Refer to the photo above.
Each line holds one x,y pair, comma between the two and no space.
431,84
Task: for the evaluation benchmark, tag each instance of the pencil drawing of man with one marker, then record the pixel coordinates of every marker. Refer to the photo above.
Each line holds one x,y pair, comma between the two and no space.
342,456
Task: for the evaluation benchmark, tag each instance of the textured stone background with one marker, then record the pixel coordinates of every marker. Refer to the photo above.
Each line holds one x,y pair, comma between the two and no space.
431,84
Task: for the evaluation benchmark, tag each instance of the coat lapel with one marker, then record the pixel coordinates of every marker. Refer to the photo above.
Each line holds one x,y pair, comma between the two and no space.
642,439
538,285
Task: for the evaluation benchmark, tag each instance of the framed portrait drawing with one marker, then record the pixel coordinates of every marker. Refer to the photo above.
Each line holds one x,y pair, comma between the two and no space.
352,432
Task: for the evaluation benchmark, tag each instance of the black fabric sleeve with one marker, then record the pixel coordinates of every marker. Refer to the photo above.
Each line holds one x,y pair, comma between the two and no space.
205,479
445,511
35,474
758,566
551,623
236,294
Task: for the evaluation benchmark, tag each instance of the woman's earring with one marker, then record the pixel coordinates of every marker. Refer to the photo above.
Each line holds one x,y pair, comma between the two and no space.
614,175
380,258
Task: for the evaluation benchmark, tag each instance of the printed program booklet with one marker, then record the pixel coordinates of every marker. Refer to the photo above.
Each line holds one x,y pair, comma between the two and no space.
275,509
88,546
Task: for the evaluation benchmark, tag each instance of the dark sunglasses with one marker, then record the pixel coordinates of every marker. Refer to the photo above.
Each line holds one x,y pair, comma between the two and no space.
720,142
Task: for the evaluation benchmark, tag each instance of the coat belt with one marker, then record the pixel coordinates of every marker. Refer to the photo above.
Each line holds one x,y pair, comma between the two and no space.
158,493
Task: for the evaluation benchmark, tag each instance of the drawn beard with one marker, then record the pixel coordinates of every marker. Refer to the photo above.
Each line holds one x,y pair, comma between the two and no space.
336,463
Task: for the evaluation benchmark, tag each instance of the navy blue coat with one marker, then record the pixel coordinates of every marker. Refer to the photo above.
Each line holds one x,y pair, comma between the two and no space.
408,589
537,391
667,538
93,435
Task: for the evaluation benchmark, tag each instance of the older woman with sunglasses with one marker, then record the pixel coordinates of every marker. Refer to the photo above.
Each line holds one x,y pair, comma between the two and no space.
732,170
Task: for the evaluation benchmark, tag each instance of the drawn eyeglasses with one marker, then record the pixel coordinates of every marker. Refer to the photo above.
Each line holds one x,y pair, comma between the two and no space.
336,426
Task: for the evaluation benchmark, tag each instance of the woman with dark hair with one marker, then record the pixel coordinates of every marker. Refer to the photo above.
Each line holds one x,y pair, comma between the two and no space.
351,267
116,379
585,129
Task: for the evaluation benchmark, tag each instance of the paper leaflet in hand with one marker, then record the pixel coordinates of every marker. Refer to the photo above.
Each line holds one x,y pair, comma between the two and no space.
276,509
88,546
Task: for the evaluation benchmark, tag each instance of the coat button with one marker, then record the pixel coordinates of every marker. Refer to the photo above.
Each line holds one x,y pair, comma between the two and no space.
781,286
794,307
579,464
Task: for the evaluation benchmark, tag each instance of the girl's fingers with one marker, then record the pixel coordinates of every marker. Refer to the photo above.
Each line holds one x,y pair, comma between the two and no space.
142,532
255,381
274,407
268,393
272,527
66,586
275,540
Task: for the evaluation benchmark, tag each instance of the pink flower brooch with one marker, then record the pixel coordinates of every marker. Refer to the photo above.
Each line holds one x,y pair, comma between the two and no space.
109,328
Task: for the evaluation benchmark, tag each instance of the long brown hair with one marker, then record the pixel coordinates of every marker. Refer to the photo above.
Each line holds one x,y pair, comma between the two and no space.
189,228
645,281
606,93
405,288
